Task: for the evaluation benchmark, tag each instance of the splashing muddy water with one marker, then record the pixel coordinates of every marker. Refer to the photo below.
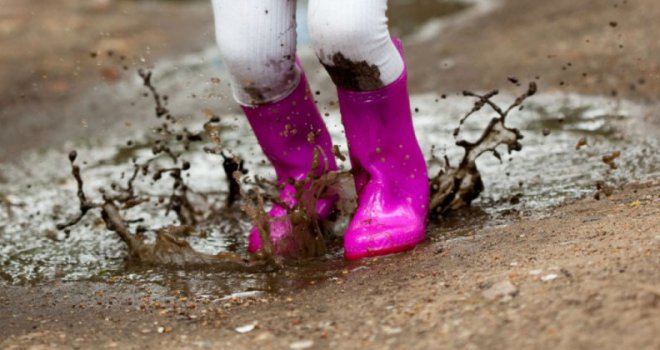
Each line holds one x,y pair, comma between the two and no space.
37,193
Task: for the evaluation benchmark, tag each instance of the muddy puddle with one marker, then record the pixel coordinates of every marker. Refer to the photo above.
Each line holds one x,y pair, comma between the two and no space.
39,192
565,139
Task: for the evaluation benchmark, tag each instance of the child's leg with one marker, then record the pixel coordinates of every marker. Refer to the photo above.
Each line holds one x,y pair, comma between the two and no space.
257,40
352,40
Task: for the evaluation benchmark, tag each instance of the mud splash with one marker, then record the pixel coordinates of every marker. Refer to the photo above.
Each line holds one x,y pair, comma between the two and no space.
169,247
452,189
309,233
456,187
354,76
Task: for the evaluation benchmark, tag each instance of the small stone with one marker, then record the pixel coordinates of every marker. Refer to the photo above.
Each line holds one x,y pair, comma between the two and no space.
166,330
504,290
300,345
247,328
549,277
391,330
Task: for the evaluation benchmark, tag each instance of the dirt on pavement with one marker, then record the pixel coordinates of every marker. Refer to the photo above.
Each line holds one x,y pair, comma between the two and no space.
589,46
52,52
584,277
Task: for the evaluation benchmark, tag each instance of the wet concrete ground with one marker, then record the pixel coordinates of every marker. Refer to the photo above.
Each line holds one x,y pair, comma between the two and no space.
550,168
586,277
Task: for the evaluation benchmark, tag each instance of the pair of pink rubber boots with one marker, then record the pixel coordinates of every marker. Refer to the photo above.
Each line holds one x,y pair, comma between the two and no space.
387,164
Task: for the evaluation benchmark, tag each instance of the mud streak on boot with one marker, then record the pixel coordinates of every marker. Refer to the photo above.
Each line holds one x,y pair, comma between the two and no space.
354,76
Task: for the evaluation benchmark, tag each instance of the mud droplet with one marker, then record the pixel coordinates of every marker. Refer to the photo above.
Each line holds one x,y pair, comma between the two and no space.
338,154
72,156
610,158
256,95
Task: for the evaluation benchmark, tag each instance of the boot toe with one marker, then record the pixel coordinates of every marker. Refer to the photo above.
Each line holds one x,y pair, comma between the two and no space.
382,237
280,228
280,231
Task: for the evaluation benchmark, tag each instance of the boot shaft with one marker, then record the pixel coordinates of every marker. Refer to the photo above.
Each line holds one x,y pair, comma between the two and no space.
382,142
289,131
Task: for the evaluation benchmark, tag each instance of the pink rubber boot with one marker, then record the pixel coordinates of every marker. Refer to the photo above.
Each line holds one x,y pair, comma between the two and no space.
389,170
283,130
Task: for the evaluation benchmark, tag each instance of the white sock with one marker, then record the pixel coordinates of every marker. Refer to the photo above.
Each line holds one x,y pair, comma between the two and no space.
257,41
354,32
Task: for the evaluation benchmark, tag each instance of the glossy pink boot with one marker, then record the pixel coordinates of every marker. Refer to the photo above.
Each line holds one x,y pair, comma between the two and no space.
288,131
389,171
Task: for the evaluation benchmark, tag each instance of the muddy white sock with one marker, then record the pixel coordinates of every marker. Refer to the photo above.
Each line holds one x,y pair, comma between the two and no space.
352,36
257,41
